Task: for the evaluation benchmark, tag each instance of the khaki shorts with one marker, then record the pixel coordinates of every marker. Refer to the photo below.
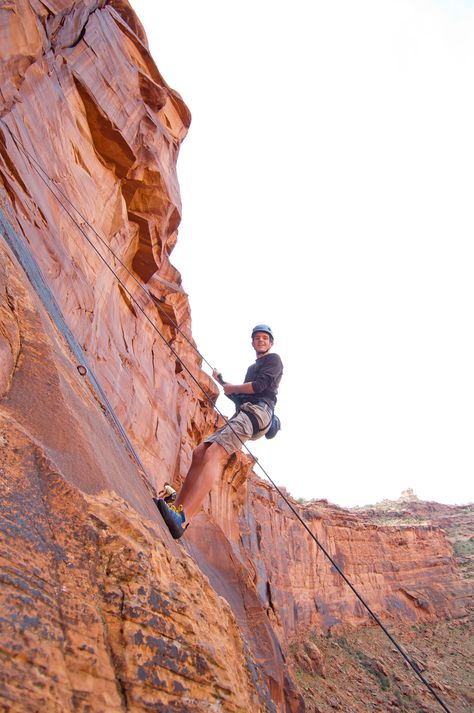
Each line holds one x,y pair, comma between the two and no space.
239,429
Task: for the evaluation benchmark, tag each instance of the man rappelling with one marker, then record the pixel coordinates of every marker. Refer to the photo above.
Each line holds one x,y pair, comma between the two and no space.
255,401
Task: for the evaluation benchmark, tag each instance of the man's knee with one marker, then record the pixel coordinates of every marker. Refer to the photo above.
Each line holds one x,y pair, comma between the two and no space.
206,453
199,453
214,453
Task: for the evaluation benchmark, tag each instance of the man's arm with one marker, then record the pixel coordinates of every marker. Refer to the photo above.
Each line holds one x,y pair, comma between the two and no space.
268,376
229,389
238,388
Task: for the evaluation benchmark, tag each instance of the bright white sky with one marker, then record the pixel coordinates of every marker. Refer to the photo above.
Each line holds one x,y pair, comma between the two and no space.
327,184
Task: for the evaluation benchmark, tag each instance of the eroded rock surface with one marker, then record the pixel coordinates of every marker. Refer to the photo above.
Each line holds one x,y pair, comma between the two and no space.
101,610
406,573
98,614
457,521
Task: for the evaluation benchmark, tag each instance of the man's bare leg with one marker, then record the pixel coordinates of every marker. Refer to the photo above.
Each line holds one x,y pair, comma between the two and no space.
206,466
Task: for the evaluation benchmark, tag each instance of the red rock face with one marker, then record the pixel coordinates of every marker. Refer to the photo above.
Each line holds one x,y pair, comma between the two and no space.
100,609
457,521
403,573
91,135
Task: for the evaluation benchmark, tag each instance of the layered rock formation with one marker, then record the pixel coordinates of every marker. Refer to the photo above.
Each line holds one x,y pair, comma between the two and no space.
457,521
407,573
375,675
101,610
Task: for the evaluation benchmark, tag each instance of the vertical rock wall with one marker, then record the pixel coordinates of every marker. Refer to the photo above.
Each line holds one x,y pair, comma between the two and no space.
90,135
90,206
103,611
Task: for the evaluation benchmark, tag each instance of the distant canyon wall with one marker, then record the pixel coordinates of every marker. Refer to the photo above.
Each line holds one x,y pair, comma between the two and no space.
408,574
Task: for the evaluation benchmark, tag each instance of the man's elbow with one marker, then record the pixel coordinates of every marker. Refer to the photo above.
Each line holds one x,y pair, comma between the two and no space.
258,387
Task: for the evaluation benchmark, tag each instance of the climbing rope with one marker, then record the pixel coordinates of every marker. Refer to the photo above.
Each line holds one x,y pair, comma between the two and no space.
44,175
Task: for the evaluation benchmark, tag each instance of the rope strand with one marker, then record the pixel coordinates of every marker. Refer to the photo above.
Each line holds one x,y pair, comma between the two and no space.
39,168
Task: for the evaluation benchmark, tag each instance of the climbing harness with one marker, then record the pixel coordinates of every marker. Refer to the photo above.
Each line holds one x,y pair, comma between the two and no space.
38,168
274,422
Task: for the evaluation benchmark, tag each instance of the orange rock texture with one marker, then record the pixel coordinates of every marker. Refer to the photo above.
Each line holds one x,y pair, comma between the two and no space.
404,573
101,611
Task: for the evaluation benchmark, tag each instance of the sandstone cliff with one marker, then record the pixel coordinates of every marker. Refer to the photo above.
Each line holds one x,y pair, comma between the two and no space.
101,610
375,675
457,521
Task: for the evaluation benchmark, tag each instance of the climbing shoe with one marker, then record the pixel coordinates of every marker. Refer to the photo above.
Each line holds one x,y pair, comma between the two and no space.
173,517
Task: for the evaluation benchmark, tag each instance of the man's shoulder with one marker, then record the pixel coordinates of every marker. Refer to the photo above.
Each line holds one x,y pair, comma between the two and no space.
273,358
274,355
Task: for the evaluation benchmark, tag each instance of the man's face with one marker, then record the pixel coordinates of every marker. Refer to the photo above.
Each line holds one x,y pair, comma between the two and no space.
261,342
